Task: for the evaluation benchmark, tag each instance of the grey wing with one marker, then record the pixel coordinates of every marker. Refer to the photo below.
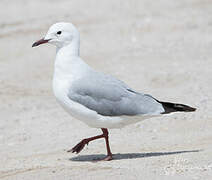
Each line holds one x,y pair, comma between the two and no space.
111,97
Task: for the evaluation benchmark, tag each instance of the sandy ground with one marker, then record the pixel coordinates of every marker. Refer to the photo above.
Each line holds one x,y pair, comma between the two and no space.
162,47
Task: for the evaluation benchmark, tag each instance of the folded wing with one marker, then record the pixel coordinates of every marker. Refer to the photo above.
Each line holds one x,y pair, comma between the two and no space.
111,97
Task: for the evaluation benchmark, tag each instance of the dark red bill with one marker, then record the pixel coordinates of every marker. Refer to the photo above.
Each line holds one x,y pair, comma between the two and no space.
41,41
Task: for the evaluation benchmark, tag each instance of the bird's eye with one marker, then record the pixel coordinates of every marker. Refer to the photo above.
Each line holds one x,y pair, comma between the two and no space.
59,32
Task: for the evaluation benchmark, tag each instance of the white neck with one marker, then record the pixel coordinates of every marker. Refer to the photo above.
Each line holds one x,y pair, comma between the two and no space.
72,49
66,56
68,64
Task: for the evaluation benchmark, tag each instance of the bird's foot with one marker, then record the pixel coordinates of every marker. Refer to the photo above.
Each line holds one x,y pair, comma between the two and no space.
79,146
107,158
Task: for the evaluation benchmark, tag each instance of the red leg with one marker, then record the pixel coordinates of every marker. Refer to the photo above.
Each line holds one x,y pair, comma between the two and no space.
82,144
109,154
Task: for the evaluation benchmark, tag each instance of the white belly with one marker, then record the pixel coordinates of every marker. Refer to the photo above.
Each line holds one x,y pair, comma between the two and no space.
92,118
88,116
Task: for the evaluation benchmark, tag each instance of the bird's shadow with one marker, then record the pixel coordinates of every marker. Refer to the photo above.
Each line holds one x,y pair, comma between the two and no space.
94,157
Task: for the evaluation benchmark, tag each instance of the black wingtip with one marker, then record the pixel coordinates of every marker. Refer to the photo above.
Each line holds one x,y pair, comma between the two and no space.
190,109
173,107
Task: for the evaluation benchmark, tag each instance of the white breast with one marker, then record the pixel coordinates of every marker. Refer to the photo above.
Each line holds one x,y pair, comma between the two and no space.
88,116
67,71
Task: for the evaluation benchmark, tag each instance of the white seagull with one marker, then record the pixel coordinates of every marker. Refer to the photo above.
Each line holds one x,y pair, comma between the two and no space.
97,99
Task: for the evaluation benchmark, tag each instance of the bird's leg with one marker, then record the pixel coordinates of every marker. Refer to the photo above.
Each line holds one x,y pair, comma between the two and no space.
82,143
109,154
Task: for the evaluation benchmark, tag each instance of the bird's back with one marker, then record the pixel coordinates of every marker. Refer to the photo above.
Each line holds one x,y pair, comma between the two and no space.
111,97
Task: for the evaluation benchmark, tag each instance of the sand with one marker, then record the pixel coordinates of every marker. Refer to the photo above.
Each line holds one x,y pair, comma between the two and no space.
158,47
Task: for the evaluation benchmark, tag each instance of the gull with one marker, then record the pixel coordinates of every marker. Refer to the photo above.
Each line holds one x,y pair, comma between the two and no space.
97,99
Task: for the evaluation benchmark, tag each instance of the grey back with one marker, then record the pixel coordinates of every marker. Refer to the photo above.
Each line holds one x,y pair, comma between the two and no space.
109,96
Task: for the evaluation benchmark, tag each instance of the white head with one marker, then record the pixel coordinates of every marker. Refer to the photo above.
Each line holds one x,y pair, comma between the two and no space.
60,34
